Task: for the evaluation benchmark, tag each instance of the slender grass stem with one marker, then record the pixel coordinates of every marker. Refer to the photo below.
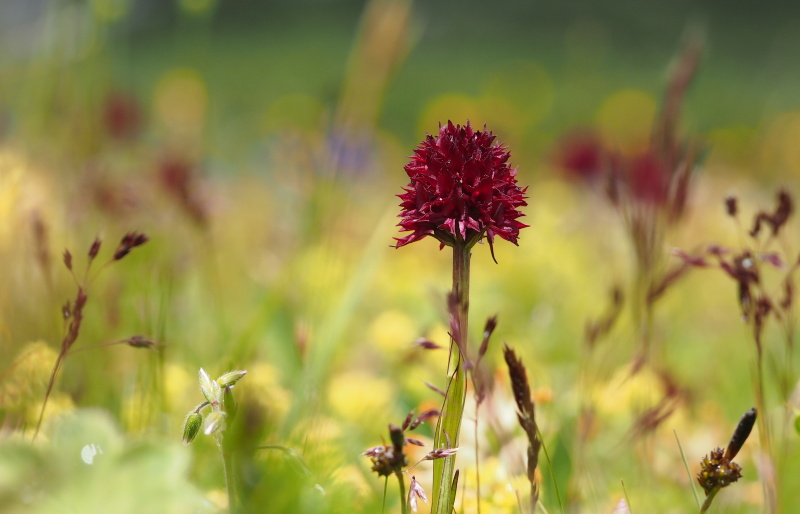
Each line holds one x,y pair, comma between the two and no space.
764,435
61,356
552,472
686,465
627,499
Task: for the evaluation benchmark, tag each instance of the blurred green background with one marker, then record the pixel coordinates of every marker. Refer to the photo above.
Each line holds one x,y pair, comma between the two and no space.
260,145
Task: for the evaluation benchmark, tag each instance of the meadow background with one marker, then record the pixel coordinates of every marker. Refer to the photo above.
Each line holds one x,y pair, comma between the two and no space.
260,146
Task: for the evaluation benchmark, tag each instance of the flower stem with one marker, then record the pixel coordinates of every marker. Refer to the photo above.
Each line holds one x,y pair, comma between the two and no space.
449,426
709,498
403,499
227,468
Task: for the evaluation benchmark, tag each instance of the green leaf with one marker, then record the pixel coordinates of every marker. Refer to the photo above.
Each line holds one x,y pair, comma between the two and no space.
450,421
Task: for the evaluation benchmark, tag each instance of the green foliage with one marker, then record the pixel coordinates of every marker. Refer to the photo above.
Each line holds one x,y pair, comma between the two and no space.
84,463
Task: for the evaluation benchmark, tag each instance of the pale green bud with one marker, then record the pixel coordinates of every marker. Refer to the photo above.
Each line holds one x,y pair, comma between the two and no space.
231,377
230,404
191,426
215,422
210,388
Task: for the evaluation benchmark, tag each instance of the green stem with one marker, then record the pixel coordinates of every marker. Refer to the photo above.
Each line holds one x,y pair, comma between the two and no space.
449,424
403,499
227,468
709,498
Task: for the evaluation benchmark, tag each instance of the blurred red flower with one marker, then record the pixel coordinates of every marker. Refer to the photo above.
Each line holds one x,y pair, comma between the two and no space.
648,179
581,155
122,115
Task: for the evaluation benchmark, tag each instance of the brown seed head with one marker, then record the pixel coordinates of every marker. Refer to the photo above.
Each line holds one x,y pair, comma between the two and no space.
130,241
138,341
731,206
94,248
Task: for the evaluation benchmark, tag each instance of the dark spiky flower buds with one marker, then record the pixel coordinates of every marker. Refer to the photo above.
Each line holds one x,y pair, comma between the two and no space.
391,459
717,469
462,189
386,459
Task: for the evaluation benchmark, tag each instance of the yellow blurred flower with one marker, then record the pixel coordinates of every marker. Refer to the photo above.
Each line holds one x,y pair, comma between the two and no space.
15,189
393,332
139,410
25,379
625,119
362,398
353,479
57,405
265,388
625,391
181,102
498,489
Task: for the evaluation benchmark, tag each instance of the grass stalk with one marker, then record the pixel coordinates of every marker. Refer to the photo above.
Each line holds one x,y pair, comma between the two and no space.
686,465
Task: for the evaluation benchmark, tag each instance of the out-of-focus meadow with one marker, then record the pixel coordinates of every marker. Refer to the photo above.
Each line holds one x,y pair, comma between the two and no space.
260,146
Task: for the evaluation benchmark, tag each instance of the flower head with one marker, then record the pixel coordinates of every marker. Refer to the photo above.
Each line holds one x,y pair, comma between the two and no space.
219,398
122,115
388,459
716,471
581,155
462,189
